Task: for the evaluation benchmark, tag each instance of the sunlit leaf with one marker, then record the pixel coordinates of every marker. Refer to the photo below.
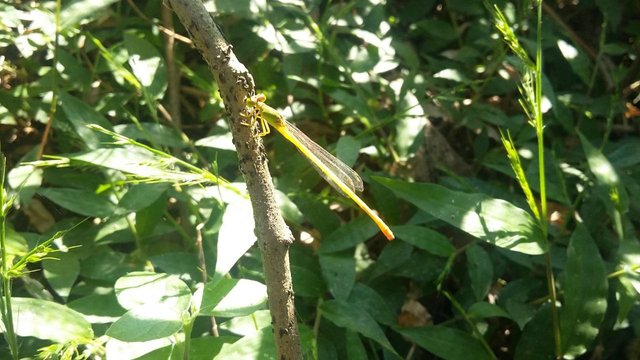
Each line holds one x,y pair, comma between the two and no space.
203,348
259,345
157,133
61,272
37,318
147,65
492,220
77,11
98,308
148,322
605,173
248,324
142,288
236,235
232,297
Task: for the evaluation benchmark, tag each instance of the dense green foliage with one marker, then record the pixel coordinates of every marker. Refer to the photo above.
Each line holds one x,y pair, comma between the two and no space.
131,231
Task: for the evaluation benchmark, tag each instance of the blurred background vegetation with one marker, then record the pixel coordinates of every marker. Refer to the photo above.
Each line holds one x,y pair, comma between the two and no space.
406,92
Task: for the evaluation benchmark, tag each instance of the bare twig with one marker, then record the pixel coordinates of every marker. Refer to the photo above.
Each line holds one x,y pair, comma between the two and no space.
165,30
605,64
203,269
173,87
274,237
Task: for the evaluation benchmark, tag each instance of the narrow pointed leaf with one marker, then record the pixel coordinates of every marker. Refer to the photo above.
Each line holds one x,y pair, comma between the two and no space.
492,220
604,172
356,319
585,293
339,272
446,343
536,341
82,202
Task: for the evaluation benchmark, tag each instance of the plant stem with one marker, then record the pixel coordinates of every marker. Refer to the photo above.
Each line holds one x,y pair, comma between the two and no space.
471,324
543,191
188,327
5,299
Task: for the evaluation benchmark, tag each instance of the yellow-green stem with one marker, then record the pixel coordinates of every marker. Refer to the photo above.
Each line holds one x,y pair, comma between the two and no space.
5,301
543,192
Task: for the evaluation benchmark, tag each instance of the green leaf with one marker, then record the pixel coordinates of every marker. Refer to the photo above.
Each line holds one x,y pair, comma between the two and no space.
585,293
236,235
203,348
15,243
317,213
353,103
628,288
48,321
117,349
181,264
148,322
79,114
516,298
411,122
135,161
157,133
349,235
347,149
536,341
147,65
98,308
479,270
616,48
578,60
26,179
446,343
140,196
373,303
492,220
339,273
148,218
355,348
61,272
392,256
356,319
233,297
307,282
425,239
139,289
77,11
82,202
106,264
606,174
482,310
259,345
249,324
